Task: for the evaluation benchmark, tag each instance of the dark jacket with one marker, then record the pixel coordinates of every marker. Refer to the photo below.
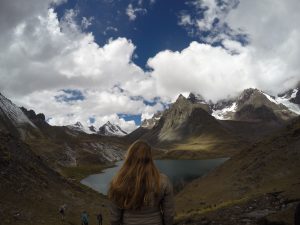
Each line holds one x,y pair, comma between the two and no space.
162,213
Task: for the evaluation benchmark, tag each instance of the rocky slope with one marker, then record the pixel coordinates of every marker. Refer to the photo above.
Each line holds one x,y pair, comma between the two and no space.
269,166
31,192
33,158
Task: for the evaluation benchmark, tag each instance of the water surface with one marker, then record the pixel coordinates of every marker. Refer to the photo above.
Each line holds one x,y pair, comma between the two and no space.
179,171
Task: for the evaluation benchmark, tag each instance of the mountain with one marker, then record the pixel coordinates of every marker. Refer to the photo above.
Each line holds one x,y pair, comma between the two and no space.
109,129
260,183
187,130
79,128
253,105
59,146
192,127
185,119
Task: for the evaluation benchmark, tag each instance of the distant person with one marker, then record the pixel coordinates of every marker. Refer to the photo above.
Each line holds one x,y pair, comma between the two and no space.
297,215
99,218
62,211
138,193
84,218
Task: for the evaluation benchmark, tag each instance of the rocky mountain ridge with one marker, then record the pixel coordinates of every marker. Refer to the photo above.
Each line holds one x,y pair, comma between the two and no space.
251,105
107,129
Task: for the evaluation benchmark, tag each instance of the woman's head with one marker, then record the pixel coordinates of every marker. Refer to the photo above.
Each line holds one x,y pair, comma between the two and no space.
138,179
139,153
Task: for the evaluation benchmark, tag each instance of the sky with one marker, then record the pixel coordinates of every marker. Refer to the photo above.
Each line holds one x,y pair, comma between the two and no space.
123,60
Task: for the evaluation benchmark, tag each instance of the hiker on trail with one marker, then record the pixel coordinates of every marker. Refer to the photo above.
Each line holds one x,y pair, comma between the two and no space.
99,218
139,194
62,211
84,218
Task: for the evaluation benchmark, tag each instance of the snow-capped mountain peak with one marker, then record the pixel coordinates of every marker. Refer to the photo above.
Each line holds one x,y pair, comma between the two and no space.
110,129
107,129
77,127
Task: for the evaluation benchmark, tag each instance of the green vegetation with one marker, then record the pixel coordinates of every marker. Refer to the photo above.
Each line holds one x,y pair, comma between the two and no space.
79,172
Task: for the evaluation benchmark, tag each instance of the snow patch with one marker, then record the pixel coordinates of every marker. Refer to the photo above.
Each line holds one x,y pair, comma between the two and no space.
285,100
270,98
223,114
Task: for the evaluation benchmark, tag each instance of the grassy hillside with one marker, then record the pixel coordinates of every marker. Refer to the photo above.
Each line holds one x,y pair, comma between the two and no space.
270,166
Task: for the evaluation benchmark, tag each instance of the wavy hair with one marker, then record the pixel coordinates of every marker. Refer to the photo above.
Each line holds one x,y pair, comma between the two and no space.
138,180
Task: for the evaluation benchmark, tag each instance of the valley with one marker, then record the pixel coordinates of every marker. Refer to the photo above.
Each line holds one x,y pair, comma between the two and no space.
42,165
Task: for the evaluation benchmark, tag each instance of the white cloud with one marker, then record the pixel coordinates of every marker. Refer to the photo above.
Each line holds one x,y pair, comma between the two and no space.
86,22
132,12
110,29
185,20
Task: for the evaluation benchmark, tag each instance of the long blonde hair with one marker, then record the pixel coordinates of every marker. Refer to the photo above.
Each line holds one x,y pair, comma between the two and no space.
137,180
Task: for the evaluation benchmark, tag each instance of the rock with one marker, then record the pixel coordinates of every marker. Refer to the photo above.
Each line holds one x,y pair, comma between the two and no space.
257,214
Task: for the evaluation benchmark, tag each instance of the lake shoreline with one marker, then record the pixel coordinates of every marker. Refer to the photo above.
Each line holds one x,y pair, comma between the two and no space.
180,172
